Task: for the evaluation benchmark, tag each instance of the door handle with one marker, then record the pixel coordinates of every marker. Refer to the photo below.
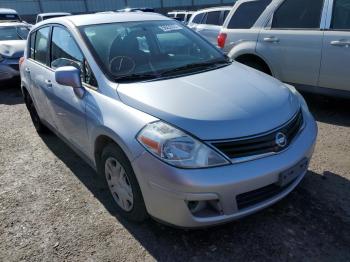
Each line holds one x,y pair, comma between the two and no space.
271,39
48,83
341,43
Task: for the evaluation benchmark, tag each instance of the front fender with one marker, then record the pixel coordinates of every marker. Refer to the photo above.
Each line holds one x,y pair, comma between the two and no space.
119,122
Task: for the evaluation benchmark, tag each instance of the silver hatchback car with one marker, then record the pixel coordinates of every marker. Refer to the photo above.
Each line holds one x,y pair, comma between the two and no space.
177,130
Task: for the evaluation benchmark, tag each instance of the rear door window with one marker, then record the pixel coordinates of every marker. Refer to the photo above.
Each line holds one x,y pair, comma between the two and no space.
341,15
213,18
31,45
247,13
41,45
298,14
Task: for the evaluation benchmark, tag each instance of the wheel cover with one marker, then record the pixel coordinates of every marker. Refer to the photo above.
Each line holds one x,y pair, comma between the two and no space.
119,184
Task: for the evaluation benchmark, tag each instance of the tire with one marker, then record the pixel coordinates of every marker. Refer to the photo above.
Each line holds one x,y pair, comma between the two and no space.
39,126
138,212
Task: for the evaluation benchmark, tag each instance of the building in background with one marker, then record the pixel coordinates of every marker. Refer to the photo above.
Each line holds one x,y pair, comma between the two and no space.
30,8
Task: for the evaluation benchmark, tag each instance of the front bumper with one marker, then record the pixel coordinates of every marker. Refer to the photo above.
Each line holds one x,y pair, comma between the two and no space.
9,68
167,190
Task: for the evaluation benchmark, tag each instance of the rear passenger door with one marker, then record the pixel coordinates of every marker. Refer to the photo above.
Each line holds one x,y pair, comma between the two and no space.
68,108
37,71
335,64
211,26
293,42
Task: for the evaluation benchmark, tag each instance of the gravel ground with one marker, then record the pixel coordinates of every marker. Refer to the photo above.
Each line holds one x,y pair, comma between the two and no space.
50,209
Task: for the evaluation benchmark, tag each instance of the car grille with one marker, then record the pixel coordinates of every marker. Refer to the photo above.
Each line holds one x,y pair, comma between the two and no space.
259,195
264,144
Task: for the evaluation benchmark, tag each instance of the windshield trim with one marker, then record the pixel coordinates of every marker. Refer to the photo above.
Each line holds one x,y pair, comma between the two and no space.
182,74
112,78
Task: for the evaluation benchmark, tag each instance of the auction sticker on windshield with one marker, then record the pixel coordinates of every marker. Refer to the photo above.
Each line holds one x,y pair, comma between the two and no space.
168,28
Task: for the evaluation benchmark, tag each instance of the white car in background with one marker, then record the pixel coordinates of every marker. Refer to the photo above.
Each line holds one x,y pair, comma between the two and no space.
302,42
13,36
208,22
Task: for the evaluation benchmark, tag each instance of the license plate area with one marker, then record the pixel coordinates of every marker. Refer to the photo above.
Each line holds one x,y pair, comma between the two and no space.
286,177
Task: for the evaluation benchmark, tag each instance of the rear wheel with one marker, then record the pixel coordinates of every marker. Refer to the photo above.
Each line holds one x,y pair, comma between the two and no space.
122,184
39,126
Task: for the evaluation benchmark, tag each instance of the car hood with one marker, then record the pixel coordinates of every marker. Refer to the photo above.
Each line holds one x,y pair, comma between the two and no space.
230,102
12,48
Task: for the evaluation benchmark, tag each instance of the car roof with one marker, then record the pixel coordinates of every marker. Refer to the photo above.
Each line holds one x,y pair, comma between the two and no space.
8,11
105,18
55,13
215,8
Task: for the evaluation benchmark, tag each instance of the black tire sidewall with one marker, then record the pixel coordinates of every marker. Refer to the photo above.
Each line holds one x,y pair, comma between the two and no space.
39,126
138,212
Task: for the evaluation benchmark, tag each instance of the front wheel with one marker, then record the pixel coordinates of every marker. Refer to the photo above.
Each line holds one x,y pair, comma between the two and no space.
122,183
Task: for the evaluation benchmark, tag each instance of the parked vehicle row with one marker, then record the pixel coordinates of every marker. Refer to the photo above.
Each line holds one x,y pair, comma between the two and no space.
177,130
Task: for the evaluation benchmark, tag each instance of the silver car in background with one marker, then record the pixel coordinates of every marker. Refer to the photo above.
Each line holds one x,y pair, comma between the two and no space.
13,37
176,130
208,22
302,42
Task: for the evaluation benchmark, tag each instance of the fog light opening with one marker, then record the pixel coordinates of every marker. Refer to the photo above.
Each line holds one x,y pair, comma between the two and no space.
206,208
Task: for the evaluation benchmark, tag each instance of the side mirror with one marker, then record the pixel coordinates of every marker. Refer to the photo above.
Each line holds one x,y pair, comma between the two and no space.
70,76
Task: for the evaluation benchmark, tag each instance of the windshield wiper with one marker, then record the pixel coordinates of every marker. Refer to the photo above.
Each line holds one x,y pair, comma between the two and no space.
208,64
135,77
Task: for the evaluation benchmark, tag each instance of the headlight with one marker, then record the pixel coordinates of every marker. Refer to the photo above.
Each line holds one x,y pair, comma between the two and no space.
177,148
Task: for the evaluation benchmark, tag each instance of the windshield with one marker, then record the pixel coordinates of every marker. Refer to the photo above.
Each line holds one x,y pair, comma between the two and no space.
9,17
13,33
149,48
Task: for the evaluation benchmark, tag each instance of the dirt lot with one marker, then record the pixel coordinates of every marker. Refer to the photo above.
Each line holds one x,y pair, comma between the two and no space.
51,210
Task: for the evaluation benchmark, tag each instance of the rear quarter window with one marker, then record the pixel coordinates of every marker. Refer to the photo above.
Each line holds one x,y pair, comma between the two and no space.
213,18
41,45
247,14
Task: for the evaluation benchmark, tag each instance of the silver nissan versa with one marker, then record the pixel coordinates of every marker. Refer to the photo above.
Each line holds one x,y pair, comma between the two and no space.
177,130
